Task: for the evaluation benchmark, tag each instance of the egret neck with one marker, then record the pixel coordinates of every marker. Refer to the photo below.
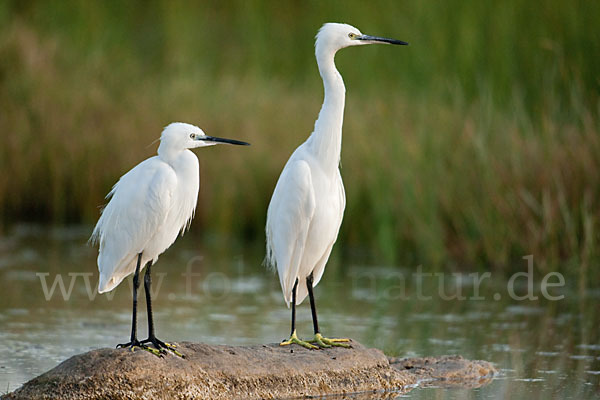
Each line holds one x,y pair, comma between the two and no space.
326,139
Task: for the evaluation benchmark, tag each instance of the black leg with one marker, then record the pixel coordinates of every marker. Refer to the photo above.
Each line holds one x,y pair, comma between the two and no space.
313,308
160,346
293,337
136,285
321,341
294,306
148,288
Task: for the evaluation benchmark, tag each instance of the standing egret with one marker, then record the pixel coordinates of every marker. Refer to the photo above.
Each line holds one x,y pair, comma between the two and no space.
148,208
307,207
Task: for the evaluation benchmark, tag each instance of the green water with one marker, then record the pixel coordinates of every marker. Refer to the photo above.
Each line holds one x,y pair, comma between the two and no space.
219,293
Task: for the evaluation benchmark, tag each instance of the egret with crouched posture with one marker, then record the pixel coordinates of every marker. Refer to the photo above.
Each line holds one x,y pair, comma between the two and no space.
148,208
306,210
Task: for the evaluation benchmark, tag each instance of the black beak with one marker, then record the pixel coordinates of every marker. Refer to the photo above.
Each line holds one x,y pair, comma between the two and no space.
381,40
221,140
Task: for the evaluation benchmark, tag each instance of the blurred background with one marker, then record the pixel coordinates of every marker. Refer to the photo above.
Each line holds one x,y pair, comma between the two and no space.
471,148
477,144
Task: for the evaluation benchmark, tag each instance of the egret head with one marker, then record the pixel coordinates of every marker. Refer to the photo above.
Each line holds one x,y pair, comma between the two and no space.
179,136
333,37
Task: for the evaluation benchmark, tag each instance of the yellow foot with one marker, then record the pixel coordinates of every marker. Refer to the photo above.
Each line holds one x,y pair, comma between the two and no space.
160,347
294,339
136,344
173,348
324,342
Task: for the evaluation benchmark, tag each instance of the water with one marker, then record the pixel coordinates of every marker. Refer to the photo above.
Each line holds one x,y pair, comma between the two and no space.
218,292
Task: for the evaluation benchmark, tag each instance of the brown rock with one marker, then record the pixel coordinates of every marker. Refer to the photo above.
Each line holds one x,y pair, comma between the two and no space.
447,371
229,372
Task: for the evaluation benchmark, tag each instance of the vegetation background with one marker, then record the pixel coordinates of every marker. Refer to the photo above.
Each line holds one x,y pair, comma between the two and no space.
477,144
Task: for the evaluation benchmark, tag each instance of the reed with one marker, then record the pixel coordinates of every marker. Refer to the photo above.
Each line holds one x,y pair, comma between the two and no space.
474,146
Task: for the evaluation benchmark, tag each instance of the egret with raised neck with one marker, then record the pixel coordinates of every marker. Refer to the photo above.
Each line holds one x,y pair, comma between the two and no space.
307,206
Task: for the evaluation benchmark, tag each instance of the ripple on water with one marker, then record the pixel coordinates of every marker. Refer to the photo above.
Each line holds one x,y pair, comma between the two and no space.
247,310
529,379
524,310
449,317
23,256
17,312
547,353
509,326
21,275
443,342
505,348
247,285
581,357
595,347
222,317
365,294
593,372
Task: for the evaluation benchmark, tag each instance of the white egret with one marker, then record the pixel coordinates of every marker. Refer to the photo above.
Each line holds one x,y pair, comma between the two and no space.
149,206
306,210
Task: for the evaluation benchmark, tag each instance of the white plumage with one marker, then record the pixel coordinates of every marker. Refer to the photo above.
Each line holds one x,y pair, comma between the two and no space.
301,225
150,205
307,207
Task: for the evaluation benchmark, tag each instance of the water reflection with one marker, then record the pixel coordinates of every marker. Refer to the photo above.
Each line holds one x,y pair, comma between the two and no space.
549,349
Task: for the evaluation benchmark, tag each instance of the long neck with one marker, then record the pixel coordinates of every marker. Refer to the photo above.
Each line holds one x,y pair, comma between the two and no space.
326,139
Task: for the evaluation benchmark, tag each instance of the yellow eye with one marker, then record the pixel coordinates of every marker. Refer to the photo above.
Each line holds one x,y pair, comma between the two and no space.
192,136
352,35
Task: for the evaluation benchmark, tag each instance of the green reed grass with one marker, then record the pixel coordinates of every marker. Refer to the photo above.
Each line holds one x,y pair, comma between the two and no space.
477,144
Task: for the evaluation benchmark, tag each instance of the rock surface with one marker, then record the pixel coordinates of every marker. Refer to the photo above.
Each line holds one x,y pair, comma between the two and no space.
448,371
230,372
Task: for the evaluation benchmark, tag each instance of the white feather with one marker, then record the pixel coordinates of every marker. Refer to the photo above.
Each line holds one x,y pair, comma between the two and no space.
307,207
149,206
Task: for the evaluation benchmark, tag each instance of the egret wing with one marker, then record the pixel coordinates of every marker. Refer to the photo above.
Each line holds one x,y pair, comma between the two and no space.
320,266
288,220
138,207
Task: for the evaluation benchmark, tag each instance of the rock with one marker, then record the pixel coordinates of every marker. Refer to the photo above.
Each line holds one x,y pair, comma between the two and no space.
229,372
449,371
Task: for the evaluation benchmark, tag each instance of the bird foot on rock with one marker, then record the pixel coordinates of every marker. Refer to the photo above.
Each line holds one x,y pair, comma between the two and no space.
160,347
294,339
324,342
136,344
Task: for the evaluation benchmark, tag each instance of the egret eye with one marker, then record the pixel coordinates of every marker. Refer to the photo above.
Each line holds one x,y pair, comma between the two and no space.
192,136
352,35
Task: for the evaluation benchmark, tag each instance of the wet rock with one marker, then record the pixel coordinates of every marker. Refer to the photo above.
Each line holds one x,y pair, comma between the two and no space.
449,371
229,372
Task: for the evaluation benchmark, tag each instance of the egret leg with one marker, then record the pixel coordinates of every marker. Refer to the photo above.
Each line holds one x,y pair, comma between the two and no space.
321,341
134,342
293,337
160,346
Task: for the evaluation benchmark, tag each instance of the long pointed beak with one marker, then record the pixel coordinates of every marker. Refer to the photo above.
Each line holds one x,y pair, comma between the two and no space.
221,140
377,39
